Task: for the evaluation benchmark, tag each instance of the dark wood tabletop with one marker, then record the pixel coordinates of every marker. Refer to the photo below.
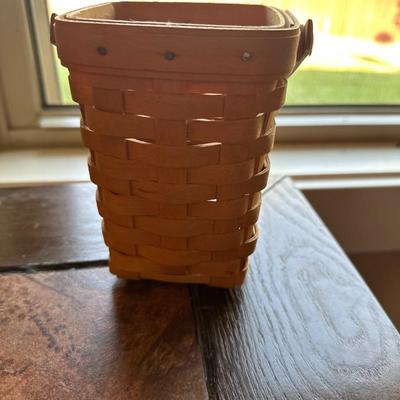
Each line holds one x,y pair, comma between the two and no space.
303,326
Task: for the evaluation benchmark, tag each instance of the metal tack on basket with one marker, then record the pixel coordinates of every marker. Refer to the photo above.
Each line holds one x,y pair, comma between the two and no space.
169,55
246,56
101,50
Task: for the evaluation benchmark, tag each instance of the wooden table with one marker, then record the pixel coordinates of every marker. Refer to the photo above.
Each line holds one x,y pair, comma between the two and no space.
303,326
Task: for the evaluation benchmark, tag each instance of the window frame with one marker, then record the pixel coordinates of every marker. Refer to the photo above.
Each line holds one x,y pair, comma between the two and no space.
45,61
25,120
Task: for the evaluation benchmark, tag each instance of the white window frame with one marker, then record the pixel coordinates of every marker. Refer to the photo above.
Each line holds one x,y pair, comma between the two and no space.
24,121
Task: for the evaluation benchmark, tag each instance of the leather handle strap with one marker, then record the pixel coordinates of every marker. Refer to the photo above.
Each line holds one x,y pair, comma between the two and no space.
52,23
305,44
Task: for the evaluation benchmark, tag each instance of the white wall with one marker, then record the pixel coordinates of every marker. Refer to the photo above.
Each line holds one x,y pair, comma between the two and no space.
362,220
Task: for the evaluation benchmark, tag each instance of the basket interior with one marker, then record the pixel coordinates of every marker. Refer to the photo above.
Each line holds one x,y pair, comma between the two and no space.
183,13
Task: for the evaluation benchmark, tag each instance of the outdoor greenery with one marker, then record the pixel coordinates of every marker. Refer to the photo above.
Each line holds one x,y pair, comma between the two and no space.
331,87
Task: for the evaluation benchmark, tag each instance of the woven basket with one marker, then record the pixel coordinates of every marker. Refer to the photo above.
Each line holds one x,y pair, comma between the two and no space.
178,103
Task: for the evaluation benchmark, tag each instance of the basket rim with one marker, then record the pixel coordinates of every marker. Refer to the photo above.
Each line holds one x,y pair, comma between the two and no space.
287,22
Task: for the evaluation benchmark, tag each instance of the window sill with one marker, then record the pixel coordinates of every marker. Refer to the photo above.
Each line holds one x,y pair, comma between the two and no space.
313,166
60,127
344,165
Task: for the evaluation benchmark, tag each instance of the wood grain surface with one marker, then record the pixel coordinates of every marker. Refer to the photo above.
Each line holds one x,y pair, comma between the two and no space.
304,325
50,227
83,334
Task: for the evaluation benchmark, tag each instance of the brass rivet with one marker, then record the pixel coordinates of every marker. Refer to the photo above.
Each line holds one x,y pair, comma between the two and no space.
169,55
246,56
101,50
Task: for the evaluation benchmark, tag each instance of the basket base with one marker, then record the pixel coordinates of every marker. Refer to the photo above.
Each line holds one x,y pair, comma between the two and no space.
228,281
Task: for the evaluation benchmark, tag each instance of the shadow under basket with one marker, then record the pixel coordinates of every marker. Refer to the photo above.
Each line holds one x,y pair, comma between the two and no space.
178,103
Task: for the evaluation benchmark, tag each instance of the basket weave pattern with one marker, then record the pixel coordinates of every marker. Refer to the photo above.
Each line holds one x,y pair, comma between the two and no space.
178,102
179,167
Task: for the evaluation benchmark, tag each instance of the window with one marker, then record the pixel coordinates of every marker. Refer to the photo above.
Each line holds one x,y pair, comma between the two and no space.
349,89
356,57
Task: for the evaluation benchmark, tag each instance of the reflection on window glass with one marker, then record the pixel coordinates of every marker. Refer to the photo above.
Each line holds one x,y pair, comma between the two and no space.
356,57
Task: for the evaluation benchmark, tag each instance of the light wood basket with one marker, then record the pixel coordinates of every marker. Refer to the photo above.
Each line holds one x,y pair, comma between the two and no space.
178,103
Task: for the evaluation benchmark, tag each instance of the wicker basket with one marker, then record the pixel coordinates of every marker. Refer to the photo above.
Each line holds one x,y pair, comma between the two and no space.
178,103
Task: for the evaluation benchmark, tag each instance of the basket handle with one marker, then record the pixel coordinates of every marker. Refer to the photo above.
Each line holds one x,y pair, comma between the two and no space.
305,43
52,23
